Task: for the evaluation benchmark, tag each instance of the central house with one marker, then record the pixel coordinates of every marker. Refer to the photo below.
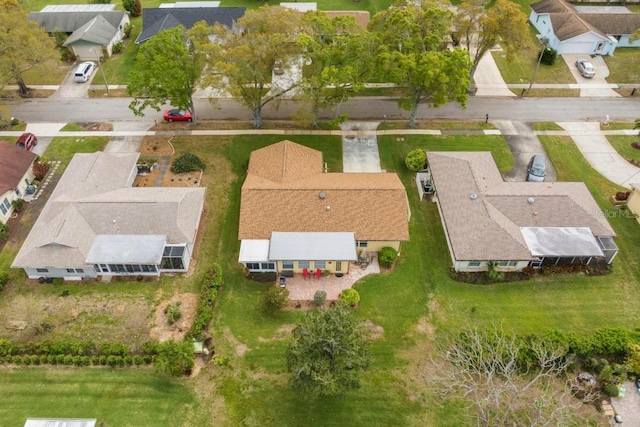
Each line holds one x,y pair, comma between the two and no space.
294,215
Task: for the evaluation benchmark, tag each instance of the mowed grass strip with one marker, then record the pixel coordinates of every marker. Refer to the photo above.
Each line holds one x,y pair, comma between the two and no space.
127,397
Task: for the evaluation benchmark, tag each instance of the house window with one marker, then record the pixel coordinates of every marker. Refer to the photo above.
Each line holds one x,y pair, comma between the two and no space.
4,207
42,270
75,270
362,244
18,192
503,263
253,265
338,265
512,263
148,268
268,266
320,264
303,264
473,264
287,264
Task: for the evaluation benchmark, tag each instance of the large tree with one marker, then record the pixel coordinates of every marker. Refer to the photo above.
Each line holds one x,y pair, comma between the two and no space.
505,382
339,56
413,55
478,28
24,45
242,62
166,69
328,353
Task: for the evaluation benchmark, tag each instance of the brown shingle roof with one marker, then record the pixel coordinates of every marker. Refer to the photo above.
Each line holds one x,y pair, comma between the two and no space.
285,161
14,164
613,23
488,226
372,205
567,22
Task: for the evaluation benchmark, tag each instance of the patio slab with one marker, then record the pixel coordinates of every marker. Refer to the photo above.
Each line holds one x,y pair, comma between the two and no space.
301,289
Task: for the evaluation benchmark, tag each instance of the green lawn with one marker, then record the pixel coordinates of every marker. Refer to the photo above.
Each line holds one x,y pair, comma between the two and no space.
521,69
622,144
416,305
118,67
623,65
64,147
127,397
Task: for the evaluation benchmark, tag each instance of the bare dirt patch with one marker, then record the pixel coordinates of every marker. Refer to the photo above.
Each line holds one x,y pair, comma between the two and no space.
161,330
374,332
283,332
98,317
239,348
158,149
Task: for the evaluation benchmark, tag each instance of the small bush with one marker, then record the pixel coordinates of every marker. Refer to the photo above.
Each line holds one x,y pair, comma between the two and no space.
387,256
350,296
416,159
319,298
137,11
4,232
4,279
128,5
187,163
17,204
117,47
611,390
275,298
40,170
529,271
35,359
173,313
127,30
59,359
137,360
549,56
67,359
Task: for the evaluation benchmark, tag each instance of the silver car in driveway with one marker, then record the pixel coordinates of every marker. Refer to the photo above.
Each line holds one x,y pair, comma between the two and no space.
585,68
537,169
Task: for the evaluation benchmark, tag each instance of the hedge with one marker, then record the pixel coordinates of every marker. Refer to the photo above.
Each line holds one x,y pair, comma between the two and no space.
208,295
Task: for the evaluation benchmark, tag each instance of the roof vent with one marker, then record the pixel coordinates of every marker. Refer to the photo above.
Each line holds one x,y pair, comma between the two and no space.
328,208
474,196
530,200
322,195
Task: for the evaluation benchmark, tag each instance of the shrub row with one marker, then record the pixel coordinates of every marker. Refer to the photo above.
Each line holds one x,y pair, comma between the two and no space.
208,294
609,343
69,360
74,348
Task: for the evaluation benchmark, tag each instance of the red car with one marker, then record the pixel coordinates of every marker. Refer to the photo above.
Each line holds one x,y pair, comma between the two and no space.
27,141
176,115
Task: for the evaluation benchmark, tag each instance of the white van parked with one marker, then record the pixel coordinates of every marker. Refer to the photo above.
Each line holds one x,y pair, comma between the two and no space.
84,70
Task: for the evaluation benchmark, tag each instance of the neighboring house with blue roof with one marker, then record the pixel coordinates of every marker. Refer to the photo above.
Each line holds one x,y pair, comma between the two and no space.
155,20
589,30
92,28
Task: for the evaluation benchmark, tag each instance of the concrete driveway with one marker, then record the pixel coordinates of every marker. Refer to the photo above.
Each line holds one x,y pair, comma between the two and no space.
488,80
69,88
360,152
523,144
596,86
600,154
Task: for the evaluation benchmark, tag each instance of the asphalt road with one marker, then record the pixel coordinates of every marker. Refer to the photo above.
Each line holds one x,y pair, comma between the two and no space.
518,109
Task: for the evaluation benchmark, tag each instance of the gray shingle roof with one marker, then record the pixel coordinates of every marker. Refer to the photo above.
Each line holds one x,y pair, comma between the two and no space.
98,31
487,226
93,198
567,22
155,20
68,22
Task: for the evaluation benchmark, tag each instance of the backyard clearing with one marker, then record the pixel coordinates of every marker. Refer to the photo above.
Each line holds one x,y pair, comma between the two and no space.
59,313
160,150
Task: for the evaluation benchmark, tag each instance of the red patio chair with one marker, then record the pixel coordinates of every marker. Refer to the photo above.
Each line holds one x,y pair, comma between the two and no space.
318,273
305,273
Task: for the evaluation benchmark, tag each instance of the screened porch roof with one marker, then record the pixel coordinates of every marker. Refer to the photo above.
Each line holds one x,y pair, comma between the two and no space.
561,241
313,246
254,250
127,249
